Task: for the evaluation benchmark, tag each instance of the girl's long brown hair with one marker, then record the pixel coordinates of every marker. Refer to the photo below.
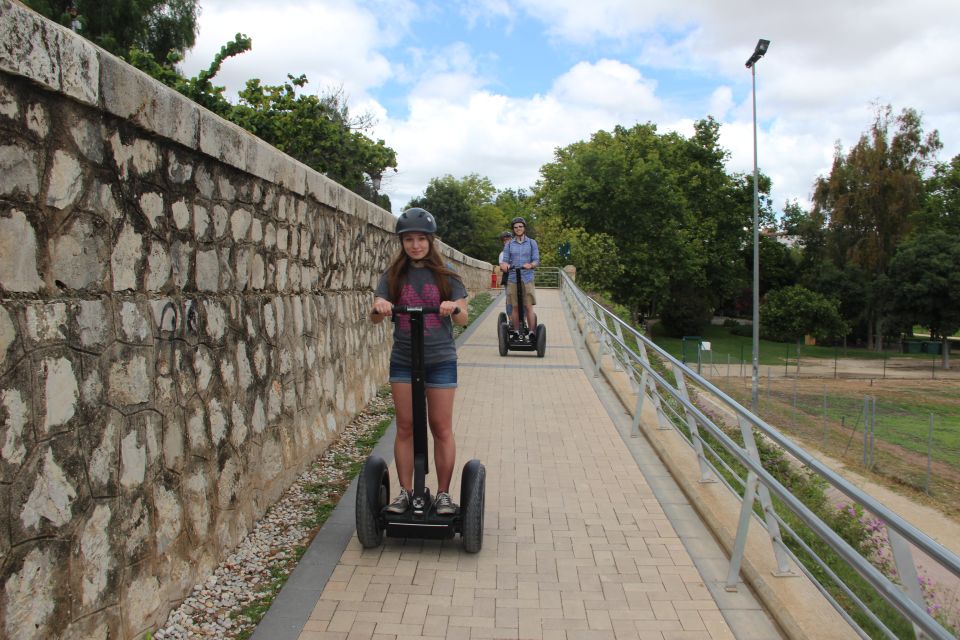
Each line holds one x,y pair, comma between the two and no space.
397,271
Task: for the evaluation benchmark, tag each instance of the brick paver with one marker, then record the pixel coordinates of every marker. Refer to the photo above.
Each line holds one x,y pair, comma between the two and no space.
575,544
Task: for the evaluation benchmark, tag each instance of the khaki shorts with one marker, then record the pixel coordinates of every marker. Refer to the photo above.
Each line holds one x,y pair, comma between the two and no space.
529,293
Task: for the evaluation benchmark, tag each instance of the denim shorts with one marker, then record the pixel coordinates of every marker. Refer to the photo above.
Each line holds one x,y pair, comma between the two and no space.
442,375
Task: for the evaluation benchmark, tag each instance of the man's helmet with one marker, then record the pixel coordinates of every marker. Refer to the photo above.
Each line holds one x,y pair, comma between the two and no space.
506,234
518,220
416,219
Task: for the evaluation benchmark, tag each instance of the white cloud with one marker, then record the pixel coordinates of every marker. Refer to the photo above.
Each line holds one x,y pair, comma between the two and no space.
626,62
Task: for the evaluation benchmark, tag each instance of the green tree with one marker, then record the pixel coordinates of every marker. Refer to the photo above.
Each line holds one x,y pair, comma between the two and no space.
448,200
319,131
869,198
159,27
595,256
925,283
794,312
679,220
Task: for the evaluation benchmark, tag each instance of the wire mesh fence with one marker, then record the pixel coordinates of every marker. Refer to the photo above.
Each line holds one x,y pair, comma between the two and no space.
907,431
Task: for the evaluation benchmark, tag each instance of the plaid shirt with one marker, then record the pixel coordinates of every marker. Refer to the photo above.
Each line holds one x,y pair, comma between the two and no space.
518,254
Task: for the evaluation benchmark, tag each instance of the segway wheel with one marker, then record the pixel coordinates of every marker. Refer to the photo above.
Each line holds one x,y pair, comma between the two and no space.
502,338
373,491
502,319
541,336
473,483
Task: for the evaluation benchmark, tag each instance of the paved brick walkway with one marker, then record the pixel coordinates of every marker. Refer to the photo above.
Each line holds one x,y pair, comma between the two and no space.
576,544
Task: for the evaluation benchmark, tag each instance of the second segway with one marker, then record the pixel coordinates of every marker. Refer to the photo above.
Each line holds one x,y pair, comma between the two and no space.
421,520
519,339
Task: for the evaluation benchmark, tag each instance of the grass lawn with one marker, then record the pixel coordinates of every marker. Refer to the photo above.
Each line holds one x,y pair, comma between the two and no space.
725,344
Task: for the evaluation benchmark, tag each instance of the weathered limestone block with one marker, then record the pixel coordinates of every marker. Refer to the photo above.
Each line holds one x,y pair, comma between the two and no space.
102,450
181,214
79,255
173,439
181,259
126,258
94,559
178,171
223,140
159,267
139,158
135,322
92,322
143,600
197,427
133,518
33,589
100,198
89,138
169,516
218,422
240,223
132,95
151,204
37,120
208,270
220,218
46,324
64,180
59,393
9,105
197,500
238,425
129,381
8,340
201,222
226,189
16,426
18,246
49,494
225,269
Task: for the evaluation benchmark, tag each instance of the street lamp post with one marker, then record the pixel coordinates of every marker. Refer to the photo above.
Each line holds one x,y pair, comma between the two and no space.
758,53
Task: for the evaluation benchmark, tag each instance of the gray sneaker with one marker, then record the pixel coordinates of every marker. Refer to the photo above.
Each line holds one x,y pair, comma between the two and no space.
444,505
401,503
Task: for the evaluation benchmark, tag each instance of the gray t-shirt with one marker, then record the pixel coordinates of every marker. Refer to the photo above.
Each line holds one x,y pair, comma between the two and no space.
420,290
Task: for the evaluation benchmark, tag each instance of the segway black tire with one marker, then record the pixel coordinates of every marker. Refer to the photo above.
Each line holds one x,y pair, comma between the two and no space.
373,491
541,337
473,481
502,319
502,338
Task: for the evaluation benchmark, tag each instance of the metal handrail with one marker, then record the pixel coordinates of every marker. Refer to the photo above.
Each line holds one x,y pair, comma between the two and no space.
598,321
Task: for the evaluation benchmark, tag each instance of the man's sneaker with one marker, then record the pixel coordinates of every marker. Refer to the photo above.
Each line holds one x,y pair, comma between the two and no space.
444,505
533,336
401,503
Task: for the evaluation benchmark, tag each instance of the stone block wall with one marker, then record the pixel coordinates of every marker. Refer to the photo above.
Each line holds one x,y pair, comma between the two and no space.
182,330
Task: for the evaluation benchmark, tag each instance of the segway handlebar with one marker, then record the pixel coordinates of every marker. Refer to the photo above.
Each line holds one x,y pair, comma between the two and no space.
408,309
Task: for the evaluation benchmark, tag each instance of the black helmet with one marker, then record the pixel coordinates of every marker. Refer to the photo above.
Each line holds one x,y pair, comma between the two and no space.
506,234
416,219
517,220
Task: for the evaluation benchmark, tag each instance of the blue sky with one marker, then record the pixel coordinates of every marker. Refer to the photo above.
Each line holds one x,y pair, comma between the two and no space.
495,86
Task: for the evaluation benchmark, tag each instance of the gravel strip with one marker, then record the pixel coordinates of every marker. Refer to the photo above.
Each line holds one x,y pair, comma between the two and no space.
229,603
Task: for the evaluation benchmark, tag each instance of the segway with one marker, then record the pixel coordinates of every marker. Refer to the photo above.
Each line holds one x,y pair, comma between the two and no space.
421,520
508,340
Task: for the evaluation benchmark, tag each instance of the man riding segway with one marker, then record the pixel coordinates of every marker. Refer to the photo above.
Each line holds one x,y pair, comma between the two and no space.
521,253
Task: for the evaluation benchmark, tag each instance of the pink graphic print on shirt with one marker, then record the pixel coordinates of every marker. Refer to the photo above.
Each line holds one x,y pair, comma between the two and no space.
428,297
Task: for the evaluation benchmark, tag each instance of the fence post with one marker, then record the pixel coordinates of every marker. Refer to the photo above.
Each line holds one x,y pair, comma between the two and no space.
866,427
825,432
929,453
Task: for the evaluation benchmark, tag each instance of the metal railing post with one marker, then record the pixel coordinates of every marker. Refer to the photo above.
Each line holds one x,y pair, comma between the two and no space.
706,474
